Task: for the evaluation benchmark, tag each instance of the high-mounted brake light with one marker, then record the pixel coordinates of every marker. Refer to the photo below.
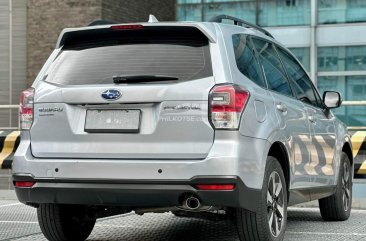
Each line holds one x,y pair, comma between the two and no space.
127,27
227,102
26,109
215,187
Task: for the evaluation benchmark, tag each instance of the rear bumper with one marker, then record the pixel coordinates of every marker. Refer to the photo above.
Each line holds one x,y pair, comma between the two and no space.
231,155
135,193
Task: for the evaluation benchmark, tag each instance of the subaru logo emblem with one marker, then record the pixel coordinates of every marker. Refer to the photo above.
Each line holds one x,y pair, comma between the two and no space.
111,95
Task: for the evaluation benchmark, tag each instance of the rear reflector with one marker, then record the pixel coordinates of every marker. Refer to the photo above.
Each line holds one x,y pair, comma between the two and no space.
217,187
127,27
24,184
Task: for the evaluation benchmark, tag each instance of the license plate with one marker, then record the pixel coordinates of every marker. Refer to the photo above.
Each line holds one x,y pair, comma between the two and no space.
110,121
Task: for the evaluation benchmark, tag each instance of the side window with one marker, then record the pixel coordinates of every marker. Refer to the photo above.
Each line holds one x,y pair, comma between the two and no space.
301,82
246,60
318,98
276,77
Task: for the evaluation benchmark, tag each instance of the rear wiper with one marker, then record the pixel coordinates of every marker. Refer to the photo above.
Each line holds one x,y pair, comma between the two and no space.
141,78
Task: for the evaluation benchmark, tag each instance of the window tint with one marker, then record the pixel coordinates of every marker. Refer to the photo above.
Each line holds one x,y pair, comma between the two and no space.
273,70
246,60
181,52
303,55
319,99
302,83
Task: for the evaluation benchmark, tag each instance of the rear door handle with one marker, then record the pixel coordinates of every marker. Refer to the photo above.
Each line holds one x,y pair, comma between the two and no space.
281,107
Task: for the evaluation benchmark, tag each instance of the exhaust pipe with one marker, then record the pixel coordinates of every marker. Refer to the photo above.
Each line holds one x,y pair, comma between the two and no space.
191,203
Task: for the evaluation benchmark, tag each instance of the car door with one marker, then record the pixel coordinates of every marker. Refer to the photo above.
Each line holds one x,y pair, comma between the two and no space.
324,141
293,124
321,166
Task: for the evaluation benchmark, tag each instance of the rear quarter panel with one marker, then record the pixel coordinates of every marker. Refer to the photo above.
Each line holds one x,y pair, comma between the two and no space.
259,118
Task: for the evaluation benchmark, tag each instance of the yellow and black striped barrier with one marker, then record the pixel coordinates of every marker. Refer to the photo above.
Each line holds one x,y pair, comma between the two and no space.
9,142
359,153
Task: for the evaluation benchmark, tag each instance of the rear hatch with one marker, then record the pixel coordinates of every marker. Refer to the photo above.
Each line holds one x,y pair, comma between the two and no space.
118,93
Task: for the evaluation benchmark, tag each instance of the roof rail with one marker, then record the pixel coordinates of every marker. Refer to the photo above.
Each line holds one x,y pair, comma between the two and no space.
101,22
239,22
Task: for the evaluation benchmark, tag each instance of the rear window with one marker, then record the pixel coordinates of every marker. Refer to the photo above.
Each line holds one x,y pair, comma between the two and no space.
246,60
96,57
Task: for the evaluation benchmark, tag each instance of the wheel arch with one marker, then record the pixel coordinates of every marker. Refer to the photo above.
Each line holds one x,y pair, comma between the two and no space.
348,150
278,150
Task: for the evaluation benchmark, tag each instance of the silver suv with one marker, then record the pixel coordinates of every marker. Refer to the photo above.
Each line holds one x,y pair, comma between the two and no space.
196,118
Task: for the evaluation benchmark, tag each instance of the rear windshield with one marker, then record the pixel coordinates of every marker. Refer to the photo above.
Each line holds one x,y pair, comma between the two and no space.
180,52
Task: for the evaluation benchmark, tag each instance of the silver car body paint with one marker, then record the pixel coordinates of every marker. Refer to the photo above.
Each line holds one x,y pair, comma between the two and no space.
182,147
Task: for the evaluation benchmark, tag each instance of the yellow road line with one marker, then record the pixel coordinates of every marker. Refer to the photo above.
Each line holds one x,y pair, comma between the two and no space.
357,140
8,147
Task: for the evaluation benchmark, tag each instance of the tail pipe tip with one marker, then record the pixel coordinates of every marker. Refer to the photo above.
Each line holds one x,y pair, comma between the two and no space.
192,203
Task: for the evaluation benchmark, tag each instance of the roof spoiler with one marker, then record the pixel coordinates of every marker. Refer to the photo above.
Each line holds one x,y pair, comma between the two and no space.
83,32
152,19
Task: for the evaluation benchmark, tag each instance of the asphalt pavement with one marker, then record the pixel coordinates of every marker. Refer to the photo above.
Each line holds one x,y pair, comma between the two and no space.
19,222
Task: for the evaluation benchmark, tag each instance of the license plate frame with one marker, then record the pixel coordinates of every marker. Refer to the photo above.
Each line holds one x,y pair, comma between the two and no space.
96,121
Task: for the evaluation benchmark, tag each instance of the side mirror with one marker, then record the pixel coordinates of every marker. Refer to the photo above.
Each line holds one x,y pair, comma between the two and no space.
332,99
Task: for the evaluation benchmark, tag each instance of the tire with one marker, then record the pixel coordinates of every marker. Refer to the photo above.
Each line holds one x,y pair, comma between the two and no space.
338,206
65,222
256,225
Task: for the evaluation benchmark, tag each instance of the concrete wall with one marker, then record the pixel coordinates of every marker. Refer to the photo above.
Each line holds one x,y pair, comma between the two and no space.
4,60
47,18
138,10
32,27
12,57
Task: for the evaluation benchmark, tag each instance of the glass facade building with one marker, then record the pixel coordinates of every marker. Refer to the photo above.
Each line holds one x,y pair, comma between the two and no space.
341,11
261,12
327,36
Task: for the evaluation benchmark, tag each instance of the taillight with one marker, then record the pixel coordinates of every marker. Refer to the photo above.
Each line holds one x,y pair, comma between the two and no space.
227,102
26,109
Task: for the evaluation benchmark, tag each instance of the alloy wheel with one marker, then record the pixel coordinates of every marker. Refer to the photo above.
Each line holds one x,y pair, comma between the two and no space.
346,189
275,204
